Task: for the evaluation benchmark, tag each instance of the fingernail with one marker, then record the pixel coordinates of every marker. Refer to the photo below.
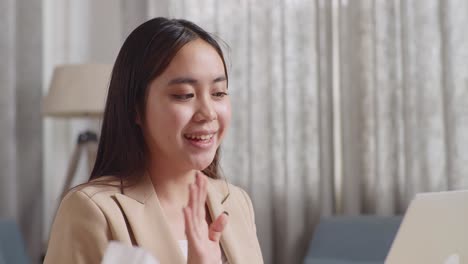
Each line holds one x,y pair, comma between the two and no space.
226,213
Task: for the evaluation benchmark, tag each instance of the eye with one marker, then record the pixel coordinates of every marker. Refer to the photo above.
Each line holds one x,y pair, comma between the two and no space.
220,94
183,97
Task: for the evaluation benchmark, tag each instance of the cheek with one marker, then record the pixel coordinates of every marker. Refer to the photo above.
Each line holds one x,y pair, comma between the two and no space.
166,122
172,119
224,114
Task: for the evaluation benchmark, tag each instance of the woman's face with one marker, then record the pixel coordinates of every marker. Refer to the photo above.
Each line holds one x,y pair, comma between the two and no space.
188,110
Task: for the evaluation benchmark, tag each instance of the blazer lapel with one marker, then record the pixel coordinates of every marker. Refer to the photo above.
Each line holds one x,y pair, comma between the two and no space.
148,222
235,237
152,232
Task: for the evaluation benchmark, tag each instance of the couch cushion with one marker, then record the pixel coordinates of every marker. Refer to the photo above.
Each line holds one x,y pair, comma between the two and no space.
338,261
11,243
354,238
2,260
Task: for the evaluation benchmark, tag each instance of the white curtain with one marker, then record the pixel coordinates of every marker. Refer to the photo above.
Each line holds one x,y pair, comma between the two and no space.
339,107
404,84
280,144
279,147
20,118
75,31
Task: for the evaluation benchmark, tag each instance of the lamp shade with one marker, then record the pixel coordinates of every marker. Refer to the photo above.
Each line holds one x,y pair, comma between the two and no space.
78,90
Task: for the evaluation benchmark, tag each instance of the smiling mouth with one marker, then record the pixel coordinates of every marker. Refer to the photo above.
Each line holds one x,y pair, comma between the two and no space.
199,138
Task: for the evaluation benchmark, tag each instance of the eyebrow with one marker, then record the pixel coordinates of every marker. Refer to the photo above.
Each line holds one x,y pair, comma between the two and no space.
191,81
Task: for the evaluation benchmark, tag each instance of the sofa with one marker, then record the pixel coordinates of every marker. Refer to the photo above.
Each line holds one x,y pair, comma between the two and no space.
352,240
12,248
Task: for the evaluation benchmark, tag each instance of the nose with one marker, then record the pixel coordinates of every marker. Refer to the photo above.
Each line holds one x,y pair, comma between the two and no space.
205,110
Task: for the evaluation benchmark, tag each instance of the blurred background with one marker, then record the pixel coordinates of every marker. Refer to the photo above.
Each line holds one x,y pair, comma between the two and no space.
340,107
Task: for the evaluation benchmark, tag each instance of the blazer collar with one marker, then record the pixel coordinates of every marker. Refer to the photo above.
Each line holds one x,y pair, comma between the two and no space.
149,224
229,242
140,191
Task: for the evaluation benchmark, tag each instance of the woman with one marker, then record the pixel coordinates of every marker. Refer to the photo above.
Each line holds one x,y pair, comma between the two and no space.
155,183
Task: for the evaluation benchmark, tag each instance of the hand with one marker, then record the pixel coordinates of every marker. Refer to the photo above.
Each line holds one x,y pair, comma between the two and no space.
203,240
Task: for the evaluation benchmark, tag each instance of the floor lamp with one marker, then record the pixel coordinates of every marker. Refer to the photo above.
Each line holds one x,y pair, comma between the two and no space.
78,91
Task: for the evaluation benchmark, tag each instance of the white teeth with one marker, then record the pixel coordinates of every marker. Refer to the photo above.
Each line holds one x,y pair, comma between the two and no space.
200,137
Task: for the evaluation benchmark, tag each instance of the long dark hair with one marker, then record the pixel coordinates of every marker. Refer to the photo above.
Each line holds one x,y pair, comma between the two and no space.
145,54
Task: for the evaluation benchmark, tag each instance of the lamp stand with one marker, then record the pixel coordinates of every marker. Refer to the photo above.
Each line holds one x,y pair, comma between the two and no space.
87,141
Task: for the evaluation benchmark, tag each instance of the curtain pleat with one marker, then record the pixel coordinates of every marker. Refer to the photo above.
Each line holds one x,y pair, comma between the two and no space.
339,107
20,119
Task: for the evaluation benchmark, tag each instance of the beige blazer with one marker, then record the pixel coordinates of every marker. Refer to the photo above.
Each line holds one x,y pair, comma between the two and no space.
91,216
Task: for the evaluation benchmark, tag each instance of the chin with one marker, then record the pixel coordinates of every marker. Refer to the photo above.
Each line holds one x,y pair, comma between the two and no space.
201,164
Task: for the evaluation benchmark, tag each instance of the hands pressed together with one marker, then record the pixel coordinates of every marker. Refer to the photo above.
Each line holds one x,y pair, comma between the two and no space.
203,240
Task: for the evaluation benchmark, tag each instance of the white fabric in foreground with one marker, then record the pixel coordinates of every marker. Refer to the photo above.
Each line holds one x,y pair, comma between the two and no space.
118,253
183,244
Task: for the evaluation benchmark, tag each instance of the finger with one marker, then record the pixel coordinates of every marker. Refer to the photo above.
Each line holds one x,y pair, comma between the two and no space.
198,184
202,195
197,206
192,205
191,200
217,227
197,213
189,228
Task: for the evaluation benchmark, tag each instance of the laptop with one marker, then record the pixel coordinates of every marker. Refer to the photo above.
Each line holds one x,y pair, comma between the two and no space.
434,230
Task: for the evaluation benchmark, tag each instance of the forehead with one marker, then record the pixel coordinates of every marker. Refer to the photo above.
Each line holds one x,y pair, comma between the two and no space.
196,59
